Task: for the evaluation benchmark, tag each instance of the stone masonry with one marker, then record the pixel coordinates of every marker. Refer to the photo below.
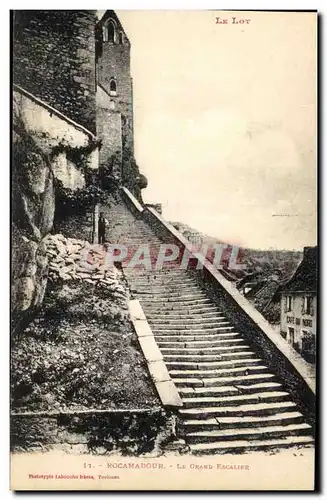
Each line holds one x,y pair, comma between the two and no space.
113,72
54,59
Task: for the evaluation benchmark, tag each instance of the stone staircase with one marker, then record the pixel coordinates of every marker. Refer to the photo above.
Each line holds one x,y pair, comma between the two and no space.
231,400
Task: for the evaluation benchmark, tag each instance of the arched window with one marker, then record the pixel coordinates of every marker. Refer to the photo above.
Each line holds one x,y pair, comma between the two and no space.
113,87
111,28
121,37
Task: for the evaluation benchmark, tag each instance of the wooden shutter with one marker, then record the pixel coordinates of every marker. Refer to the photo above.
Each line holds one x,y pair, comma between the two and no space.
311,306
285,303
303,305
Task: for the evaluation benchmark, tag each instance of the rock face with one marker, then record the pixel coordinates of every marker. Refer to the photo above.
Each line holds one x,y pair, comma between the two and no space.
39,139
33,212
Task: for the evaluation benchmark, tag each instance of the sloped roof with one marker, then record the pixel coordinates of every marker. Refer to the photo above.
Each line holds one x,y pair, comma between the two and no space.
112,14
305,277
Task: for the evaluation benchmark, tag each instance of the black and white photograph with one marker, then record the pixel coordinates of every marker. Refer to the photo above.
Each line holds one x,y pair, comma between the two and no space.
164,257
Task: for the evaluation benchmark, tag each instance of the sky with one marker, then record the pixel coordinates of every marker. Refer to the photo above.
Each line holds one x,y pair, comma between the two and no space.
225,122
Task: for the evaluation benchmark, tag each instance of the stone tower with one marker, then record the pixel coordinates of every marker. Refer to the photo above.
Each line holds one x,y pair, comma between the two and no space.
114,101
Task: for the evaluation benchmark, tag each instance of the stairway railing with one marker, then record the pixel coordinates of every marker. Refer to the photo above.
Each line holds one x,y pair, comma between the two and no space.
297,375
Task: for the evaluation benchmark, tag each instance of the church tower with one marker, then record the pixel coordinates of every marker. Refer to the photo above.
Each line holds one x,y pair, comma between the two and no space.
114,97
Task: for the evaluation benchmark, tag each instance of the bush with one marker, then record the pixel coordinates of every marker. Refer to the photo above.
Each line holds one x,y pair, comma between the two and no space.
80,201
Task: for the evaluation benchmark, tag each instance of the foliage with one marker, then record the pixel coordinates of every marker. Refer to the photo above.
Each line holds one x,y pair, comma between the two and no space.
79,156
79,201
108,177
132,178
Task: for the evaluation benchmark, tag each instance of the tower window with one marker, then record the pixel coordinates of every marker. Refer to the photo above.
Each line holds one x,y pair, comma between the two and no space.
113,87
121,37
109,32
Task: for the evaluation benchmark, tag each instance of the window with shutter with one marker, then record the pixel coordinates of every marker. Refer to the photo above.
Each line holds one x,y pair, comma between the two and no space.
311,306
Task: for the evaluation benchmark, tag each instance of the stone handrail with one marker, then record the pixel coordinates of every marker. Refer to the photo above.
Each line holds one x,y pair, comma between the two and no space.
165,386
297,375
53,111
133,204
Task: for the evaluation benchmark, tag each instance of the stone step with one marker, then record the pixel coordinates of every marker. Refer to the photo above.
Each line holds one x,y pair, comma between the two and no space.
192,353
245,421
178,306
195,320
190,290
234,400
206,361
180,312
155,274
255,409
174,297
183,308
252,388
181,301
177,292
192,332
226,447
227,390
157,280
221,381
210,327
211,365
274,431
191,316
246,369
152,244
141,231
195,425
233,423
195,346
164,286
198,338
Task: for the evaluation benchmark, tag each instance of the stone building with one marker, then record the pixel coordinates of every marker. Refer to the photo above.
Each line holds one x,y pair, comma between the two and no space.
80,67
72,114
54,60
114,97
299,306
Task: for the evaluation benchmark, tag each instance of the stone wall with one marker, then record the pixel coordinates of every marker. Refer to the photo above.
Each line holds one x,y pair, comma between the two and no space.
54,59
298,376
113,62
38,136
109,129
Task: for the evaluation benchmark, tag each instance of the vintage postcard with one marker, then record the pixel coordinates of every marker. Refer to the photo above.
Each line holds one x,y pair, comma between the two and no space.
164,250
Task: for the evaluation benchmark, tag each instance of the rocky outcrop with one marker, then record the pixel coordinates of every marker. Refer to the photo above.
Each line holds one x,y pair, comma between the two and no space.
33,213
43,143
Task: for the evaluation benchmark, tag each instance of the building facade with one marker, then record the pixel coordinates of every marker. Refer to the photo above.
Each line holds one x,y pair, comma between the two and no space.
298,323
54,60
80,66
114,97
